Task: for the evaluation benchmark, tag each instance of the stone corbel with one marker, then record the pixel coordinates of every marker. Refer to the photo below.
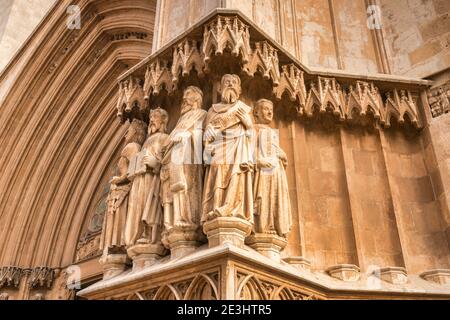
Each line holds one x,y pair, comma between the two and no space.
398,104
130,94
292,82
394,275
157,76
363,97
344,272
326,93
439,276
265,59
298,262
186,57
223,33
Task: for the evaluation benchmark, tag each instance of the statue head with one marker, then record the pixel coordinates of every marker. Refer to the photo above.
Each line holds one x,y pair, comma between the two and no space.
263,111
136,132
192,99
158,120
230,88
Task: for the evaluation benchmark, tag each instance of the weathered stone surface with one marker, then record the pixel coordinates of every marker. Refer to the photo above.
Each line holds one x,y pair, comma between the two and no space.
362,180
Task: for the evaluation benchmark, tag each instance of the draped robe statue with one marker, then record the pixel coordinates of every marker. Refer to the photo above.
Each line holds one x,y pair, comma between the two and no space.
144,220
182,168
228,154
112,237
271,192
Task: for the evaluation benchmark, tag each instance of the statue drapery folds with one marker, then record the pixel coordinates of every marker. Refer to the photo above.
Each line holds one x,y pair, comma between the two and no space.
228,155
219,173
144,218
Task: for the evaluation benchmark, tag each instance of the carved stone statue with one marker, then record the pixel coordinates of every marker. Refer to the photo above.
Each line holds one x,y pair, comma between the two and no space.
144,220
272,213
112,240
228,154
182,176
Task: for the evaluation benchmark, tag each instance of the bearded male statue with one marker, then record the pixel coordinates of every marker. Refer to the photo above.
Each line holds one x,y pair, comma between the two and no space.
182,177
182,171
144,220
228,156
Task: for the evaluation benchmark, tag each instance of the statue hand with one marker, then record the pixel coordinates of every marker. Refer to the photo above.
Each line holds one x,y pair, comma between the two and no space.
244,117
150,161
282,155
116,180
210,134
179,136
264,164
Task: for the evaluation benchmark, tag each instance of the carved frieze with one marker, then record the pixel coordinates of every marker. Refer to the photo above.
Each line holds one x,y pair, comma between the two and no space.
439,99
88,247
345,99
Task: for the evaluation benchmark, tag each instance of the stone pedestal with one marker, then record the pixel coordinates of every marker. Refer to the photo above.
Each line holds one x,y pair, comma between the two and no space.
182,240
229,230
394,275
269,245
113,265
344,272
145,254
299,262
440,276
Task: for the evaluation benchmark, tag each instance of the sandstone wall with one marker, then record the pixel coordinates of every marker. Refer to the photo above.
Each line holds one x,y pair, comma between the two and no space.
365,197
18,19
417,35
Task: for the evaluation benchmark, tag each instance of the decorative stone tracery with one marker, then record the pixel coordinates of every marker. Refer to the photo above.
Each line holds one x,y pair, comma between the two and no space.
325,93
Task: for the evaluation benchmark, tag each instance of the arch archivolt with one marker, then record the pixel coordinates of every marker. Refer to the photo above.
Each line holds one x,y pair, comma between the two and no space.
59,130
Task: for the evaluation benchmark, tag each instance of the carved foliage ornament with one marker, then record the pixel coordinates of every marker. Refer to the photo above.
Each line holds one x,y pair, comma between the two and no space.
10,276
41,277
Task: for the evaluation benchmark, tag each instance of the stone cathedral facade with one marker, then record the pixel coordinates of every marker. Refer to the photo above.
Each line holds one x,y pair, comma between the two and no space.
186,149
